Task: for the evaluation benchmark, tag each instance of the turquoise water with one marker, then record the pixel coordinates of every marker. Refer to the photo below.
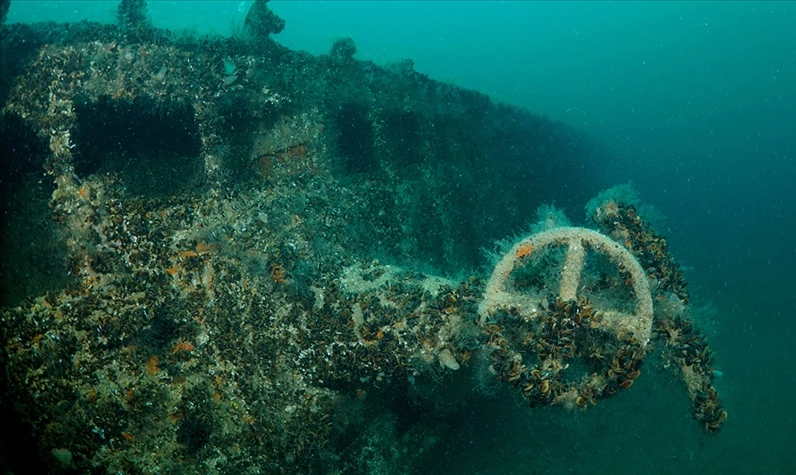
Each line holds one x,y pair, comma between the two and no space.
696,102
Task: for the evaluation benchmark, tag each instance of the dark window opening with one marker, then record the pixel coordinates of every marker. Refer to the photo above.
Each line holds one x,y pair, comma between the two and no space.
356,138
403,136
154,146
32,260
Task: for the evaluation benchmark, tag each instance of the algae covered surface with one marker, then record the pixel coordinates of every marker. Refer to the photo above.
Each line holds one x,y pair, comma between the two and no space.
221,255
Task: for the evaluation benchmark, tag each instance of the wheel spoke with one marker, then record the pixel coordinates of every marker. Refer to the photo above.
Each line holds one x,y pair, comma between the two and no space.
573,268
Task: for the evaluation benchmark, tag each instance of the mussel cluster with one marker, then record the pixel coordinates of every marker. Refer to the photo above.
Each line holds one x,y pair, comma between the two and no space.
708,409
681,341
686,345
623,224
535,355
397,327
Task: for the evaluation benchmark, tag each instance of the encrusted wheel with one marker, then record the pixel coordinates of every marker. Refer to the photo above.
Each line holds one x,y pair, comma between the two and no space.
560,332
496,296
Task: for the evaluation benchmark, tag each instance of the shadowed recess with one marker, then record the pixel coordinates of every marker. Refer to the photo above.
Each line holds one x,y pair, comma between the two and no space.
153,145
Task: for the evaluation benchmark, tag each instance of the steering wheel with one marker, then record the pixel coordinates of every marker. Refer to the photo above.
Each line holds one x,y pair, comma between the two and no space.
533,341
